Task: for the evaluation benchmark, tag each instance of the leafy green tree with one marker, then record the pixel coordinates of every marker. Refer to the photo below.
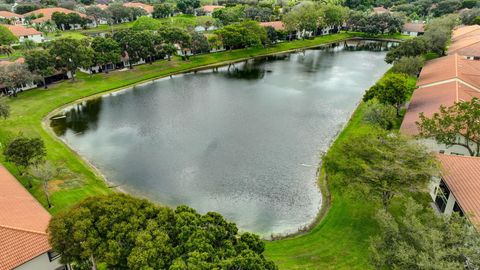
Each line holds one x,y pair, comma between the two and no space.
175,35
119,13
163,10
229,15
199,43
242,35
262,14
188,6
4,109
380,114
123,232
382,164
446,7
383,23
105,51
41,63
412,47
97,14
304,17
15,75
6,37
409,65
169,49
25,8
393,89
438,33
455,125
71,54
468,16
334,15
421,239
146,23
25,152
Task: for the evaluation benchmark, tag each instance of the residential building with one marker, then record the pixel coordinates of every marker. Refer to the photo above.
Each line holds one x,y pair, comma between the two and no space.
413,29
277,25
465,31
147,8
23,229
13,18
458,188
26,33
442,81
209,9
47,13
380,10
466,42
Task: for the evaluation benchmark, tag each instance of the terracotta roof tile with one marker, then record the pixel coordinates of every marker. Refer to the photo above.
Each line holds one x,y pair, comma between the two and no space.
380,10
472,33
462,30
8,15
462,43
48,12
211,8
147,8
414,27
277,25
462,175
23,224
20,30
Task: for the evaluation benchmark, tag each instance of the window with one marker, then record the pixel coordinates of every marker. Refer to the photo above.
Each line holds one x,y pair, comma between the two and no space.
458,209
52,255
442,196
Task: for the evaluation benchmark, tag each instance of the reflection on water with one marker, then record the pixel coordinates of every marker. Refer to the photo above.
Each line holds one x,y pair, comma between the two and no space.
243,140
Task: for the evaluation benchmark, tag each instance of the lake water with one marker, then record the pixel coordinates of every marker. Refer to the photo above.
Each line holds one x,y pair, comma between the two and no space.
244,141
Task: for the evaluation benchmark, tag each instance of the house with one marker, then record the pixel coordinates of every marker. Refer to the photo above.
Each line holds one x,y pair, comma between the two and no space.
147,8
209,9
13,18
467,45
46,15
413,29
465,31
458,188
28,86
277,25
23,229
442,81
26,33
380,10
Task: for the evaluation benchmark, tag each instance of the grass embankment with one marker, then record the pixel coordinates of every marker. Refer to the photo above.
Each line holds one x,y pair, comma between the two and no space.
341,239
28,110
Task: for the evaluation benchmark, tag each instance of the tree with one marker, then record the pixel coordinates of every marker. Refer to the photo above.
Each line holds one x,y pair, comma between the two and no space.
455,125
4,109
123,232
468,16
45,172
6,37
199,43
6,49
380,115
25,8
334,15
41,63
305,17
446,7
262,14
421,239
28,44
242,35
169,49
409,65
392,89
175,35
188,6
119,13
412,47
383,23
163,10
71,54
25,152
229,15
97,14
146,23
382,164
14,75
105,51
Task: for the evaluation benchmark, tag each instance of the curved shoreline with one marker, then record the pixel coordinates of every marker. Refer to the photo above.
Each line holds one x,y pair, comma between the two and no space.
320,177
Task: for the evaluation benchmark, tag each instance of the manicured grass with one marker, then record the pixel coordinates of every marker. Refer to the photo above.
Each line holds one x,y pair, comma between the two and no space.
66,34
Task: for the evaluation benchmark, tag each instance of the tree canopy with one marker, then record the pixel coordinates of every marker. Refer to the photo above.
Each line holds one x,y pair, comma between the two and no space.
456,125
123,232
6,37
71,54
25,152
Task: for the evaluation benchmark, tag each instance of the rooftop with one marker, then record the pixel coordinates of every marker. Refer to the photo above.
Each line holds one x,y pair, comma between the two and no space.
277,25
147,8
48,12
20,30
459,32
211,8
23,224
463,43
8,15
380,10
414,27
462,176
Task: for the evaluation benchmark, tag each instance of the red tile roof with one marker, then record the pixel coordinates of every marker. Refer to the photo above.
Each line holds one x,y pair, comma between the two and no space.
147,8
380,10
414,27
211,8
462,176
48,12
462,43
277,25
20,30
462,30
8,15
23,224
443,81
102,6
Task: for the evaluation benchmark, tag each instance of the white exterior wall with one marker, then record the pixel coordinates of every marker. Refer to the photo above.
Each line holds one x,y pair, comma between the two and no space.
433,146
412,34
35,38
41,262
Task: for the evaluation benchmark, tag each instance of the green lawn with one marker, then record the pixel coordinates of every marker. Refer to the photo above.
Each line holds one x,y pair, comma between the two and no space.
338,241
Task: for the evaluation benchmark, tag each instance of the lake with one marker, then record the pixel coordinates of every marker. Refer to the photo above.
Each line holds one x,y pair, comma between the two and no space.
244,140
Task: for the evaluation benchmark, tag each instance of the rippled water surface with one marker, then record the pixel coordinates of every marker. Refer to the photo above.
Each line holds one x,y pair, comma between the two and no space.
243,141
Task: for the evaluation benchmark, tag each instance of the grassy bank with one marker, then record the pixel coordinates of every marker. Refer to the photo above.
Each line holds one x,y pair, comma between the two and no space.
341,239
29,108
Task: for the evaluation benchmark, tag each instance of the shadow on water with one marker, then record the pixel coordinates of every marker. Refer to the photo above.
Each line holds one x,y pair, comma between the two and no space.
78,118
